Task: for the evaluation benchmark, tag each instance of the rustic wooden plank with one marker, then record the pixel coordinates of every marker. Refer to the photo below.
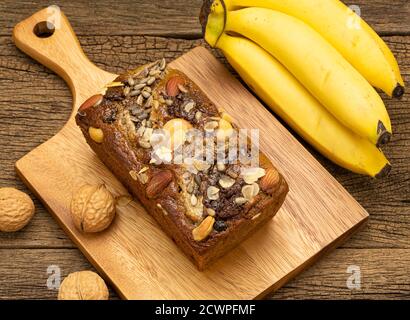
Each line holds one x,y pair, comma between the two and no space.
42,231
124,17
29,115
306,226
173,18
386,17
24,272
384,274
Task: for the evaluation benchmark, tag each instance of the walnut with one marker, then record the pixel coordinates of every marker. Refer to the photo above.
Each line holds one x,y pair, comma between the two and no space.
16,209
92,208
83,285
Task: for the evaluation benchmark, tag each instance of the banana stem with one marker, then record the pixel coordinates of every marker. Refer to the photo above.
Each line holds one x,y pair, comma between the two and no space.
213,20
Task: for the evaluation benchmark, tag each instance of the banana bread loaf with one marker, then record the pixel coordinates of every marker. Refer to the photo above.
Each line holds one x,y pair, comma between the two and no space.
147,128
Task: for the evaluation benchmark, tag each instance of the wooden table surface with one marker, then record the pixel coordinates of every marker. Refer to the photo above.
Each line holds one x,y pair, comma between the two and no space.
35,103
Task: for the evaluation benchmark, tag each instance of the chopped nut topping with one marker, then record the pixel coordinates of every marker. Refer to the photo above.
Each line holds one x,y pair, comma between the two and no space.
240,201
194,200
201,165
144,144
212,193
189,106
204,229
220,166
226,182
250,191
251,175
211,212
211,126
134,174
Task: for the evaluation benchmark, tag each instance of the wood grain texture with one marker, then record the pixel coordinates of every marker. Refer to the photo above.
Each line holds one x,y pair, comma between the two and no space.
44,114
35,104
316,216
379,277
325,280
170,18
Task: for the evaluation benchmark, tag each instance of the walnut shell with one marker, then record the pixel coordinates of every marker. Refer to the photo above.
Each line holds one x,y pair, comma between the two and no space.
83,285
16,209
92,208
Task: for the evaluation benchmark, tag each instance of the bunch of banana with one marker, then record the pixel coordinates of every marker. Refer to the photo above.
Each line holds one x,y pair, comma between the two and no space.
304,61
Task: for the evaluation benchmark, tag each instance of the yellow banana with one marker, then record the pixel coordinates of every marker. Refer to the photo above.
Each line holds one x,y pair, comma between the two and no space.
294,104
319,66
347,32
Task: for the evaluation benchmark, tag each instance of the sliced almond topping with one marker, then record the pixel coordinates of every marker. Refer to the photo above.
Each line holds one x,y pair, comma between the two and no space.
157,138
147,134
164,154
251,175
198,115
240,201
226,182
190,187
134,174
201,165
189,106
212,193
211,126
194,200
186,176
144,144
144,169
250,191
220,166
140,131
143,178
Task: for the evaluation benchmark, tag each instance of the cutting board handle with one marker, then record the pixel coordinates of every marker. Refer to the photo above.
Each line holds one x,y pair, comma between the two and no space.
47,36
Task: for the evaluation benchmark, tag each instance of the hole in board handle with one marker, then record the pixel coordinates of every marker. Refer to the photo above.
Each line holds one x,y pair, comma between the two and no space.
44,29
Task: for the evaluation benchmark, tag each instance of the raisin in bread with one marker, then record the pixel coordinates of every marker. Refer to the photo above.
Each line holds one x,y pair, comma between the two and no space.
207,206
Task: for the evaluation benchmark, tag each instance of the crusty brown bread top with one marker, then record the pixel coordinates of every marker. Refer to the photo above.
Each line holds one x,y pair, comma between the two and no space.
205,199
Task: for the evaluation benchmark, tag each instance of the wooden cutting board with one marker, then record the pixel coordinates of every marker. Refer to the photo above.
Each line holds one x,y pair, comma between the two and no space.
134,255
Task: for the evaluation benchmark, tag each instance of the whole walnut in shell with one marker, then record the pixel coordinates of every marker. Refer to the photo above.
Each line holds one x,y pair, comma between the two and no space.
92,208
83,285
16,209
